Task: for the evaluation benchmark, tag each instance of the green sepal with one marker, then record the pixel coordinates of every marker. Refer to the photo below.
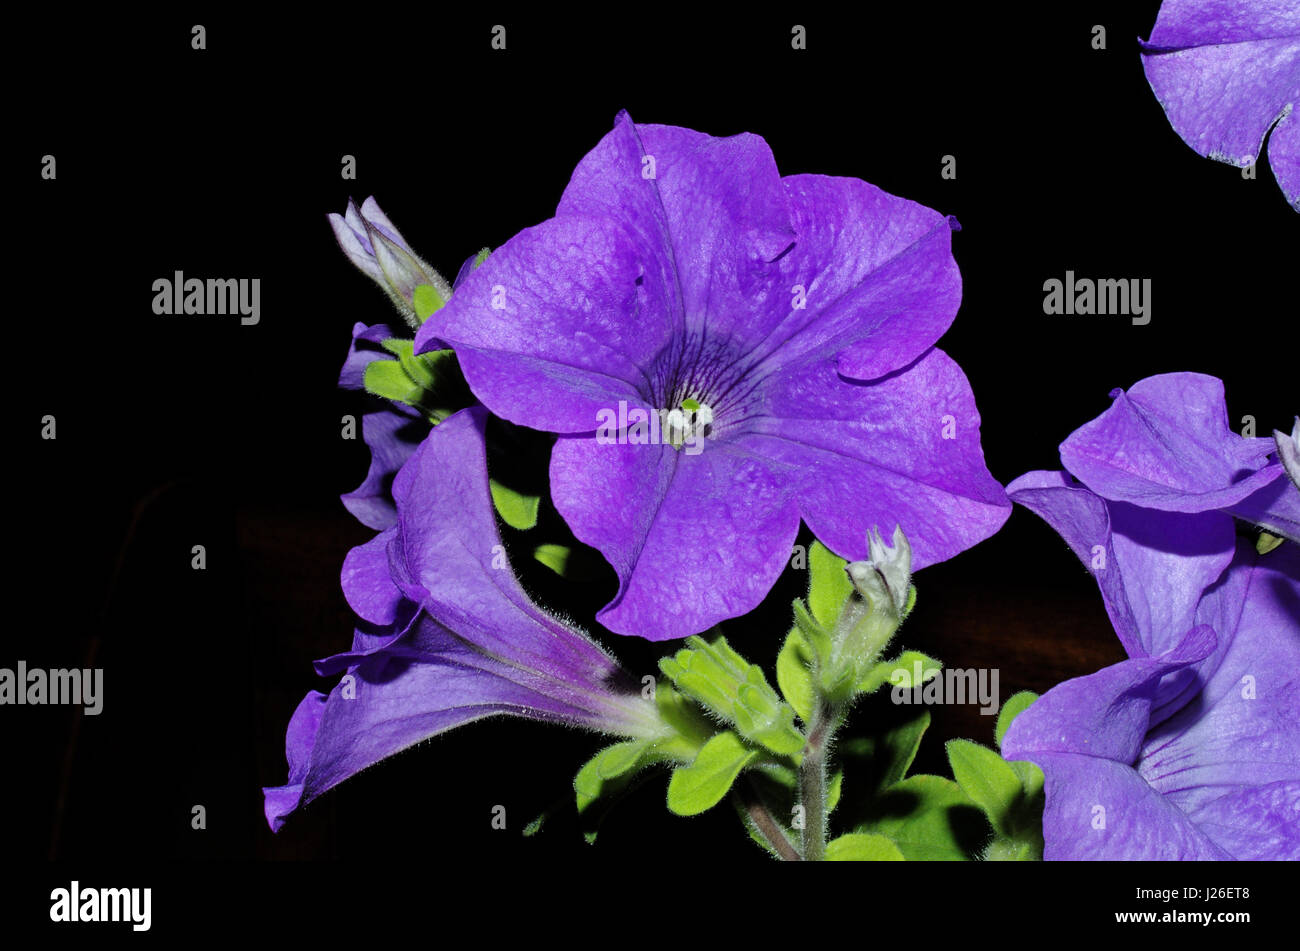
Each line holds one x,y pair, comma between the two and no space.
905,662
828,584
794,676
515,508
691,729
535,826
426,300
988,779
610,763
1016,704
929,818
389,380
863,847
696,788
734,690
480,258
1267,542
816,637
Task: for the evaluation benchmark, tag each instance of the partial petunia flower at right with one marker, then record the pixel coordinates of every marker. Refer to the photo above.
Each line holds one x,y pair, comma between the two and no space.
722,351
1189,749
1225,72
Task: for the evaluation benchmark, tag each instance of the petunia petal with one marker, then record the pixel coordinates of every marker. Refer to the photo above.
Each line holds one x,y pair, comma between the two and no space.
695,539
876,279
446,555
903,450
1224,71
1165,444
710,213
392,435
554,327
1239,732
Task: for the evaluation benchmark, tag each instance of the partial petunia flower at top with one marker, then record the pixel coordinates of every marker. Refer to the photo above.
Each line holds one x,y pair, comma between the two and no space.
722,351
448,636
378,249
1188,750
1225,72
1166,444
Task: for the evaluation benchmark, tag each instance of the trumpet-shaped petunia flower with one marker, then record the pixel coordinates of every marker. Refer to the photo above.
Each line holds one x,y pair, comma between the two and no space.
1188,750
448,635
1166,444
378,249
1225,72
723,351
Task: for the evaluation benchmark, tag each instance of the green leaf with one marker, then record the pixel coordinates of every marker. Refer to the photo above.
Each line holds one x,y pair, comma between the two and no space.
987,779
555,557
700,786
828,584
535,826
929,818
610,763
793,675
1016,704
833,788
387,379
862,847
901,672
898,748
426,300
1007,849
480,258
516,509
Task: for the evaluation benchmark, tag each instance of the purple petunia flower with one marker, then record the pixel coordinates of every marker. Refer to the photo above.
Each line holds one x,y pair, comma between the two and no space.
1166,444
1225,71
1189,749
723,351
449,635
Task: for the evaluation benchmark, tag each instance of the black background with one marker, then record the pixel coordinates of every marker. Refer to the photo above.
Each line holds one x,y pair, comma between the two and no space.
176,431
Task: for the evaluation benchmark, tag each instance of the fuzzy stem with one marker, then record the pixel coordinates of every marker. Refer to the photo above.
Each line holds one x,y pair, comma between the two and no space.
812,783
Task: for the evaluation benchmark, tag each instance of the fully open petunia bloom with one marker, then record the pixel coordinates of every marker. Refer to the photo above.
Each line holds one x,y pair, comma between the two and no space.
1166,444
1189,749
1225,71
448,635
723,351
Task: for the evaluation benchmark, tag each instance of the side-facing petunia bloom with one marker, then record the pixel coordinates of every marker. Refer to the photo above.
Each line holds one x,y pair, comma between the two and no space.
1225,72
448,635
378,249
1166,444
1188,750
723,351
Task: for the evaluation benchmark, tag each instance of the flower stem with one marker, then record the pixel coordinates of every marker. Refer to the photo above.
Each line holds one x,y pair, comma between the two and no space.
812,783
771,830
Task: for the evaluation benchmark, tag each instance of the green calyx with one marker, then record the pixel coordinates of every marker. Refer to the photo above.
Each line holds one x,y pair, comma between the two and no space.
735,691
